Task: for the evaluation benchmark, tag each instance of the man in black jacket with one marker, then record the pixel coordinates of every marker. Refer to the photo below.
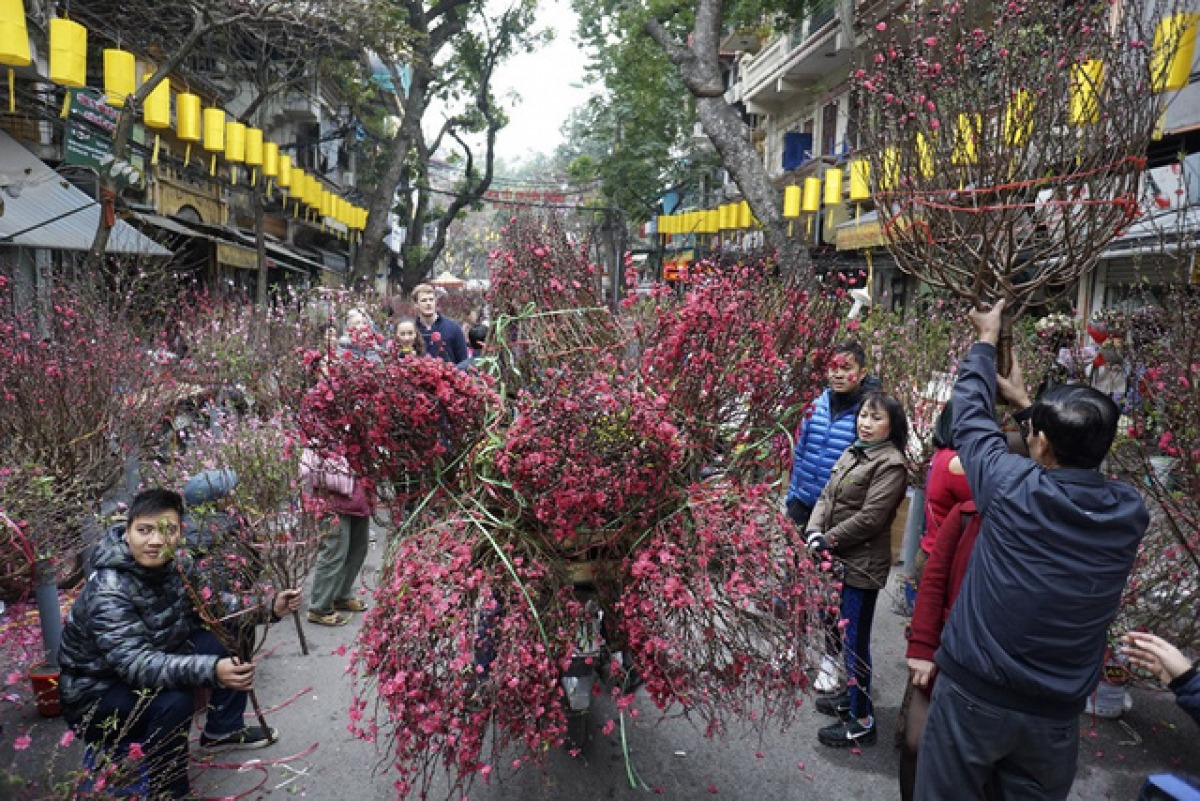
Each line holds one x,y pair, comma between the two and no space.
133,653
1022,649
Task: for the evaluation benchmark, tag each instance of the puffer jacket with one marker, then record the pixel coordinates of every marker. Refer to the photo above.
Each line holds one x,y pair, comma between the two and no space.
856,510
125,627
1187,692
823,437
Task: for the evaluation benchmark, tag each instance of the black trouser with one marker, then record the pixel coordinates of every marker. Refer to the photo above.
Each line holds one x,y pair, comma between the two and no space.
969,742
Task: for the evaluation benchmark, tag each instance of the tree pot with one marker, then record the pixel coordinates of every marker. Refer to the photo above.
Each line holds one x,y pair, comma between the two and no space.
44,678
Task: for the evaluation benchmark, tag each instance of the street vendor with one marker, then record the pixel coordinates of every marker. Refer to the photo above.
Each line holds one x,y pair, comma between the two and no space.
133,653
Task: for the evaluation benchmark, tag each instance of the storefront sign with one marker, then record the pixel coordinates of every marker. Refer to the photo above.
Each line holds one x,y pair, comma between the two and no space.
90,126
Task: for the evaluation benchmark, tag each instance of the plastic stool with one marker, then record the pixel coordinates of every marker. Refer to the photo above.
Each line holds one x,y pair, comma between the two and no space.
138,787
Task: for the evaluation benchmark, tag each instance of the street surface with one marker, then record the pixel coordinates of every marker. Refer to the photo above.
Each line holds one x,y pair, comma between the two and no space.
671,757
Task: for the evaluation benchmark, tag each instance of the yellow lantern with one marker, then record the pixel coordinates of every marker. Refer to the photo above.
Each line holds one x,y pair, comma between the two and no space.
235,148
235,141
156,109
1174,51
254,147
14,44
1086,77
712,223
327,199
214,135
299,179
187,121
68,53
285,170
860,180
924,156
214,130
187,117
156,112
812,195
270,159
1018,118
660,224
833,186
791,201
966,139
743,215
889,169
299,184
120,79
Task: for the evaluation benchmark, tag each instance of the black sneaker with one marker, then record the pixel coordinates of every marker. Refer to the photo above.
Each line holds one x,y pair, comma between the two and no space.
847,733
836,706
247,737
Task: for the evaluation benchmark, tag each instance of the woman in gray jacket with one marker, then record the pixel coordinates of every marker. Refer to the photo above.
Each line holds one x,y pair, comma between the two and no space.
852,520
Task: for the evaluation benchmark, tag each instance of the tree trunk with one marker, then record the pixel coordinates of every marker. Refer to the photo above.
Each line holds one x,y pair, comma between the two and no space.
699,68
371,253
45,588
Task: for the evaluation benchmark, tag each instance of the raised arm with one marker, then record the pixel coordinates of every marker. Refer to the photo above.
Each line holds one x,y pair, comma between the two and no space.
981,445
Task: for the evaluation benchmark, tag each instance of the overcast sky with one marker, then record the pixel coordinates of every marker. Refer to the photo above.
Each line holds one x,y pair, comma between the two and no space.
549,84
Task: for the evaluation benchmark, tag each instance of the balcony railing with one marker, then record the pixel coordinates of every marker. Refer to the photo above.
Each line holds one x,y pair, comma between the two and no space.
766,65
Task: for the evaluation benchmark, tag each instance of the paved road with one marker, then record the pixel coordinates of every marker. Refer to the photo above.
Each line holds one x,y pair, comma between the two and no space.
670,756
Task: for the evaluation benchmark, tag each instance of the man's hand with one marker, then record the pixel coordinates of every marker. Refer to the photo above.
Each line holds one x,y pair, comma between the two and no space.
815,542
1012,387
987,323
920,672
1156,655
235,674
286,601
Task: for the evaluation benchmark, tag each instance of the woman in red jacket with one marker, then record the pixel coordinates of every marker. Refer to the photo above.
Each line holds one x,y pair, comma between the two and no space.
939,587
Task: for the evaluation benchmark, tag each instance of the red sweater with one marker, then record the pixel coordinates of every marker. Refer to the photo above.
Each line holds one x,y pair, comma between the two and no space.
942,491
942,579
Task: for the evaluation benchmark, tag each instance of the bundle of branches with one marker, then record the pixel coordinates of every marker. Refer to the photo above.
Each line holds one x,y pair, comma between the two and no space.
257,518
546,301
915,357
1006,140
256,351
399,421
1162,455
583,475
465,654
735,360
79,397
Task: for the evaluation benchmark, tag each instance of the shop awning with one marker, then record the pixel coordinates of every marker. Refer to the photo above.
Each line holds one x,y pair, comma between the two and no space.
171,226
285,257
41,209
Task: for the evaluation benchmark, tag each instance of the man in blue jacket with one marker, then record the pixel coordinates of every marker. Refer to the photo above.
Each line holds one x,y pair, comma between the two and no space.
1024,643
829,427
443,337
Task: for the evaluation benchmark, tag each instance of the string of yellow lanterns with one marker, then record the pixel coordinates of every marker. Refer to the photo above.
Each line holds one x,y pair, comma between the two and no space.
237,143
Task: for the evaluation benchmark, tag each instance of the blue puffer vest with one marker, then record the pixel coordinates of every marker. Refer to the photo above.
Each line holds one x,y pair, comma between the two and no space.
822,440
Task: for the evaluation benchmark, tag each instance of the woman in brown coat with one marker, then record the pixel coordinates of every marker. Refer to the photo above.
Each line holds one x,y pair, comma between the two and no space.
852,520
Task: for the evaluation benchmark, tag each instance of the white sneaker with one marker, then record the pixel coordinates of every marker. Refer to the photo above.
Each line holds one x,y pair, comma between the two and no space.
829,678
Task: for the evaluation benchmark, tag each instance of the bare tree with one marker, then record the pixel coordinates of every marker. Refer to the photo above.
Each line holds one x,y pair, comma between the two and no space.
454,47
1006,141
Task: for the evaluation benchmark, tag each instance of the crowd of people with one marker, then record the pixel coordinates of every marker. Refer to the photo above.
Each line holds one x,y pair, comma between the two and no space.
1026,550
1025,555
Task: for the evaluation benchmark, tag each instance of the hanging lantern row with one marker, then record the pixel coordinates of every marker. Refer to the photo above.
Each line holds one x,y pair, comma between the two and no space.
237,143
